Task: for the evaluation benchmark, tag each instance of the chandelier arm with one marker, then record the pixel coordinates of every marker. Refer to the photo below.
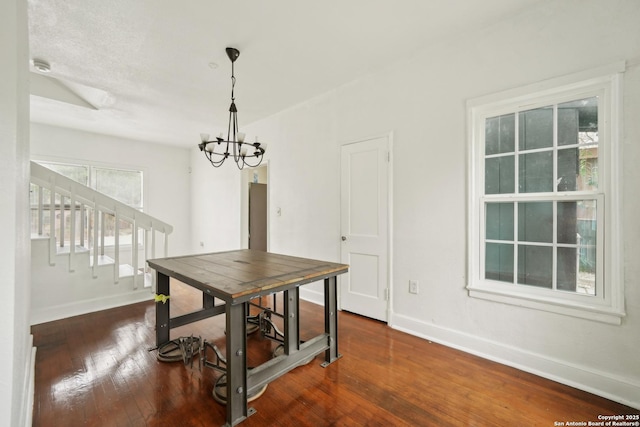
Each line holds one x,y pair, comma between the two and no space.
215,164
252,165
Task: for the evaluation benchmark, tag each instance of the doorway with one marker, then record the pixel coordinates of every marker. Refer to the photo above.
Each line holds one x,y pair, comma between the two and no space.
364,221
255,208
258,216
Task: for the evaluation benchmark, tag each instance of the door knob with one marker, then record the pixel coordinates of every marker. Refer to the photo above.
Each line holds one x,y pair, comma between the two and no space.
344,238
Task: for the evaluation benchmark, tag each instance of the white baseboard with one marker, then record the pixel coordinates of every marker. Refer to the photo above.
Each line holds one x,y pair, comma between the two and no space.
312,296
77,308
603,384
28,385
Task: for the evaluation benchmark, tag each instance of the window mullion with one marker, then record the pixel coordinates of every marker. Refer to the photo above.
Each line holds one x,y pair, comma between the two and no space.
554,238
516,178
515,242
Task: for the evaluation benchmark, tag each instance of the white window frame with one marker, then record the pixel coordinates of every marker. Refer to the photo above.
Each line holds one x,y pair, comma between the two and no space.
91,183
608,303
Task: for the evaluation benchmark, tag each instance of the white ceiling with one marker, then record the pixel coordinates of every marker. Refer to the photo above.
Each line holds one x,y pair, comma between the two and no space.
144,64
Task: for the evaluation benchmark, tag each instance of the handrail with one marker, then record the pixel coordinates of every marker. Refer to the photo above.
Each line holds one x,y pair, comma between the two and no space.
79,194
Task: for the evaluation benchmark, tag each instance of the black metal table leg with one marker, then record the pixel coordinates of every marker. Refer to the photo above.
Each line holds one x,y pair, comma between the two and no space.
236,321
207,301
331,319
291,320
162,310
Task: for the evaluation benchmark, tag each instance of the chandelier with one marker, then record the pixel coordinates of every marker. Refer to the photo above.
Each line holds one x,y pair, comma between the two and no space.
219,149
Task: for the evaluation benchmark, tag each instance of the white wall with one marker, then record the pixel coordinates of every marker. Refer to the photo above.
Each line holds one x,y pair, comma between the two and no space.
422,101
215,211
166,171
16,380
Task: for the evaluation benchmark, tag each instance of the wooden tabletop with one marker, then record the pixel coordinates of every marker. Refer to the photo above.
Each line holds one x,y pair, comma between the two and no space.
239,275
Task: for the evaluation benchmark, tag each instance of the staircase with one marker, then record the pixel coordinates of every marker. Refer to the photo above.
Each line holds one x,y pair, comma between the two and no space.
88,250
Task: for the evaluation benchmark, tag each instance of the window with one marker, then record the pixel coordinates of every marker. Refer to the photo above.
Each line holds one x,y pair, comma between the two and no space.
544,200
126,186
123,185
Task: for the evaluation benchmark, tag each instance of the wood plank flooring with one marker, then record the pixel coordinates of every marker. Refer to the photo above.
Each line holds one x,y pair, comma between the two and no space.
96,370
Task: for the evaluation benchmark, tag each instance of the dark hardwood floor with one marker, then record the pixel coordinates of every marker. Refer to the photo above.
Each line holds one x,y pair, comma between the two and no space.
96,370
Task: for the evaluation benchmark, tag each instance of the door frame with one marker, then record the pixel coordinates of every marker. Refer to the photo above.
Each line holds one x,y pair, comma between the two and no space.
389,136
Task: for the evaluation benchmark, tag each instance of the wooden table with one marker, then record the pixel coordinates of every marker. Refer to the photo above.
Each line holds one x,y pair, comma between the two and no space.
236,277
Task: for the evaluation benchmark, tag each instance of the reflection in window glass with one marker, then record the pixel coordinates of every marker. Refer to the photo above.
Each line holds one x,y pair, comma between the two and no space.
578,122
535,222
500,134
499,262
568,169
536,129
500,175
536,172
499,217
535,265
578,126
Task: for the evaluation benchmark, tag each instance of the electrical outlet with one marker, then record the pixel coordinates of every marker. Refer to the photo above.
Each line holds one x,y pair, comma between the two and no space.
413,286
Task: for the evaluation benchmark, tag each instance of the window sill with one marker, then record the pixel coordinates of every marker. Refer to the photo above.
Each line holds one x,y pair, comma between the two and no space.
597,313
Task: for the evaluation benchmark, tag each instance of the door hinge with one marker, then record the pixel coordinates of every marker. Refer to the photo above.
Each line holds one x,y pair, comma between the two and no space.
386,294
388,156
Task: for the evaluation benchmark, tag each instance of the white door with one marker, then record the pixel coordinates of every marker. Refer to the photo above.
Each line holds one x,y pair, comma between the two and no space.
364,224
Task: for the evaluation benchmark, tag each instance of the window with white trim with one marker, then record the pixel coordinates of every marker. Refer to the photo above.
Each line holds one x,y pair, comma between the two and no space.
544,197
124,185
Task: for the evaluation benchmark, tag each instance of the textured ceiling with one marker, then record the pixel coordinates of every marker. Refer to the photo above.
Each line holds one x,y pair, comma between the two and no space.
140,69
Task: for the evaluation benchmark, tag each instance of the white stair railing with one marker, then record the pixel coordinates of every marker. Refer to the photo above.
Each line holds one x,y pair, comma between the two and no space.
90,232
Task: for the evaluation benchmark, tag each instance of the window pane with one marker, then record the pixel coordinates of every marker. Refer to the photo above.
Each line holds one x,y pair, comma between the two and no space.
500,134
578,122
576,272
124,186
535,222
588,169
587,244
499,262
577,222
75,172
568,169
587,270
536,128
499,175
567,269
535,265
499,217
567,125
536,172
567,223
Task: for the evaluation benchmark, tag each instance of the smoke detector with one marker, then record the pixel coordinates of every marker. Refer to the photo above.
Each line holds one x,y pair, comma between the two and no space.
42,66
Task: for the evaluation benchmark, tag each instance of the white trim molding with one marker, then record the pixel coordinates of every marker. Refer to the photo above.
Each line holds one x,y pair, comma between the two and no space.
77,308
28,385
